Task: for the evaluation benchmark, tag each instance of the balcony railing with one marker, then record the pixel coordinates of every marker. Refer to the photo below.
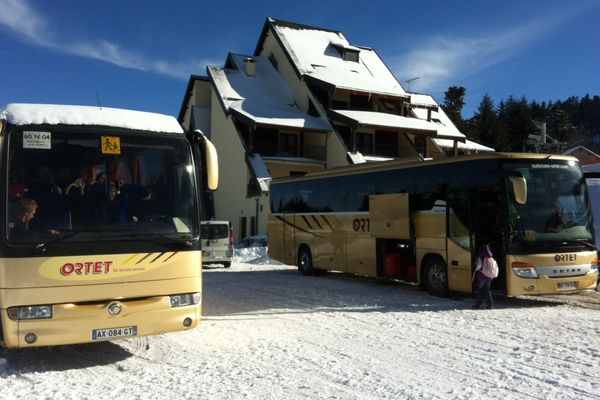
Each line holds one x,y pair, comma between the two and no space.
308,151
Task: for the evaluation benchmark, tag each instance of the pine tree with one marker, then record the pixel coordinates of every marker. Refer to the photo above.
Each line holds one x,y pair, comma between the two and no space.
517,121
560,126
454,101
487,125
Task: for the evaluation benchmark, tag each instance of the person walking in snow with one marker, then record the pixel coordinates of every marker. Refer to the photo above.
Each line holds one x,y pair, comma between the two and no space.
485,271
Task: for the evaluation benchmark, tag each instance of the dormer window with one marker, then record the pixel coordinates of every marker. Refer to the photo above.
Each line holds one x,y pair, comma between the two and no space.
348,53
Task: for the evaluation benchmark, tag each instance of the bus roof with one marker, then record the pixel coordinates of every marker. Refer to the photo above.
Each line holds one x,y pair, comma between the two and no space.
417,162
53,114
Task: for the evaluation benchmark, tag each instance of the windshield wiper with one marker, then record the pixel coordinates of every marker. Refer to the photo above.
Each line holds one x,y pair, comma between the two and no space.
155,238
587,243
41,247
162,238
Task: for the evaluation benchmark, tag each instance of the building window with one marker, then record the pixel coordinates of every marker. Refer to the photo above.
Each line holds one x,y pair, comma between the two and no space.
243,222
364,143
339,105
421,145
288,145
346,135
265,141
350,55
359,102
386,144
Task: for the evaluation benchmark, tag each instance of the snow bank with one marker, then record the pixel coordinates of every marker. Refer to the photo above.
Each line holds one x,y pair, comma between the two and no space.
254,255
270,333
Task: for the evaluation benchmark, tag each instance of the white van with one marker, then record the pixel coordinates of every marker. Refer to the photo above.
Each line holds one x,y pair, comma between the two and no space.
217,242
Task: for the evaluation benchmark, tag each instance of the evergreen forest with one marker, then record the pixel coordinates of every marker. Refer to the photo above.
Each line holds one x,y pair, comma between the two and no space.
507,125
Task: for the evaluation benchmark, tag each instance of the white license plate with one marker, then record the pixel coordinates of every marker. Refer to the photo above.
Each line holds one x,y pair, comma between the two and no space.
567,285
113,333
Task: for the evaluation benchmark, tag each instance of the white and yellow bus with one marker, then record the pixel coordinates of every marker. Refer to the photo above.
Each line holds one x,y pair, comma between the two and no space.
101,216
423,222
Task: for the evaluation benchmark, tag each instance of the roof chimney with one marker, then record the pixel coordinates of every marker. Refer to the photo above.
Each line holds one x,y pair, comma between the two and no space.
250,66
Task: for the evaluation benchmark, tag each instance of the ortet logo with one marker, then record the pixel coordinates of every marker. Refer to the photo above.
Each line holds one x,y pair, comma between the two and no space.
86,268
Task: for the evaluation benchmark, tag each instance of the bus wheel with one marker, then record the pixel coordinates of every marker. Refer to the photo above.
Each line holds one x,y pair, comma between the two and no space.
437,277
305,265
227,264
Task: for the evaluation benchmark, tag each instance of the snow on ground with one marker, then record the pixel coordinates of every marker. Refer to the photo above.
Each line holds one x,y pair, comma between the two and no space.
270,333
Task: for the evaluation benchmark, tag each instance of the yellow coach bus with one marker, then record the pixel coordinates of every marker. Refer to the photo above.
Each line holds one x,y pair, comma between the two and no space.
422,221
100,217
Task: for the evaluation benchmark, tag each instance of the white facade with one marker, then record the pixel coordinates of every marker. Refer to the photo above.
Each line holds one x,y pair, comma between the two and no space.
306,100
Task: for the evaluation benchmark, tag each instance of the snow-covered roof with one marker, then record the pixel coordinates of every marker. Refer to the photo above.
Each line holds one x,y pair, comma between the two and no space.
314,54
53,114
446,129
468,145
444,125
573,149
260,171
384,120
265,98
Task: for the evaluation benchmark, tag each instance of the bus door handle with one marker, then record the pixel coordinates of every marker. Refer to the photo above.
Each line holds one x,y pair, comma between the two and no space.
454,263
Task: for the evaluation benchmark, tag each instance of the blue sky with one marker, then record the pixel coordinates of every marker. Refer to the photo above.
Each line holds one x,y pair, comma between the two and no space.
139,54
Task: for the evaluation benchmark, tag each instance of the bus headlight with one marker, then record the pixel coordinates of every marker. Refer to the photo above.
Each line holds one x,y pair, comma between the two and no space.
524,270
30,312
188,299
594,266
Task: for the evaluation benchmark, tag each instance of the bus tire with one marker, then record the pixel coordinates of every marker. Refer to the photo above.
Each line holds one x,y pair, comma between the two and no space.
227,264
436,275
305,265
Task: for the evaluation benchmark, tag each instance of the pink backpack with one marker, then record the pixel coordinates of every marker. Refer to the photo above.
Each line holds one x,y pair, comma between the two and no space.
489,267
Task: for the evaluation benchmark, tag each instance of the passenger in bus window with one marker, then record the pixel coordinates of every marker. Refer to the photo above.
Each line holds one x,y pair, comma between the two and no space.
22,223
53,211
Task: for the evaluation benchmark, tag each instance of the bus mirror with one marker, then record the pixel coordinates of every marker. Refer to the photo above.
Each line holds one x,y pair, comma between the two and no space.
210,160
212,165
519,186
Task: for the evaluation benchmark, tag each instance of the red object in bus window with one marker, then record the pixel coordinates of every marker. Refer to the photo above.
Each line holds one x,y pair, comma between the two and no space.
16,190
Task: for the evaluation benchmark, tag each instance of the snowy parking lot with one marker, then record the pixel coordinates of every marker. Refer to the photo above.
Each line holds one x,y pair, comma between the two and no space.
270,333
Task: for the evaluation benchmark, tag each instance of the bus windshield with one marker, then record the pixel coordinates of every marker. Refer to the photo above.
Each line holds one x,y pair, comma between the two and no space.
557,207
86,185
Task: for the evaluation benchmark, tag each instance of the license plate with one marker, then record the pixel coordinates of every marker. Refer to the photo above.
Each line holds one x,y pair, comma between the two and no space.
113,333
567,285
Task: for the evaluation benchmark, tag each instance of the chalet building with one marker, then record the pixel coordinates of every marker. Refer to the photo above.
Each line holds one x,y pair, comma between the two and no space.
583,154
306,100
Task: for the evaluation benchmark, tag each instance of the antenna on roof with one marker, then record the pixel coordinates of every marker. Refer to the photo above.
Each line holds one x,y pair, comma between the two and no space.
409,81
98,100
